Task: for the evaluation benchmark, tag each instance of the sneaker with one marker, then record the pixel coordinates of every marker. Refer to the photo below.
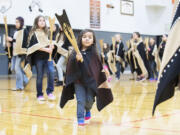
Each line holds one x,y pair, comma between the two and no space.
51,96
88,115
59,83
118,78
17,89
109,79
138,79
81,123
151,79
141,79
41,98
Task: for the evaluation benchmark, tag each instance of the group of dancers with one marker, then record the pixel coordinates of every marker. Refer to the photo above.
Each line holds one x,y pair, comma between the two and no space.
143,56
86,79
29,48
33,49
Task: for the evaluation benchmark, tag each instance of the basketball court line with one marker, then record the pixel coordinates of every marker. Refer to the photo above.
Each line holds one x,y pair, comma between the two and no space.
123,124
154,129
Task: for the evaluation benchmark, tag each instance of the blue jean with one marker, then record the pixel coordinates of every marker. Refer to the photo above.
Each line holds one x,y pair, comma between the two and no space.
21,79
85,99
40,68
118,67
153,71
61,67
13,61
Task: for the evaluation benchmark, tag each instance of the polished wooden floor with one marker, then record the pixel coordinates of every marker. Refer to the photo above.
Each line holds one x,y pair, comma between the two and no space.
129,114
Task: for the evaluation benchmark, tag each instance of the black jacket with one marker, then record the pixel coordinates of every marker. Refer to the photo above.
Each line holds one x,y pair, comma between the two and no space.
88,73
119,51
150,53
161,50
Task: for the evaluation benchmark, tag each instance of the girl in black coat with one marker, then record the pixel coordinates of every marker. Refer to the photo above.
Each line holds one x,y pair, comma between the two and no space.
87,79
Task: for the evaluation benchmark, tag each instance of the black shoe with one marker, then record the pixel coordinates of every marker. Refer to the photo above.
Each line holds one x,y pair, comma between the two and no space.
59,83
55,80
9,72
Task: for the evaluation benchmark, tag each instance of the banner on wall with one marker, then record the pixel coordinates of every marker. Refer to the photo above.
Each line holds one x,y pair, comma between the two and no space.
95,21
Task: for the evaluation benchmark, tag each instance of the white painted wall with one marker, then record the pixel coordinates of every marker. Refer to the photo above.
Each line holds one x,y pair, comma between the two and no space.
146,20
77,10
153,20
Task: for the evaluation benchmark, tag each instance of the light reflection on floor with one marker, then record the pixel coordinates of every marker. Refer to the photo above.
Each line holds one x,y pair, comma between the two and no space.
129,114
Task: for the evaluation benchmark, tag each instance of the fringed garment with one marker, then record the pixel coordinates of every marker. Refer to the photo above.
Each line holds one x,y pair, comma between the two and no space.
170,67
90,73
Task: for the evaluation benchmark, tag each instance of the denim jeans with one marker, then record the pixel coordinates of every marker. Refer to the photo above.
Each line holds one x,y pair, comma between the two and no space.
40,68
118,67
153,71
21,78
61,67
85,99
13,61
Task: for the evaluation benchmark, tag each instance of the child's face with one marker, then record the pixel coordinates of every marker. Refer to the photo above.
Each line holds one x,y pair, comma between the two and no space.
87,39
118,38
135,36
105,45
152,41
41,23
18,25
